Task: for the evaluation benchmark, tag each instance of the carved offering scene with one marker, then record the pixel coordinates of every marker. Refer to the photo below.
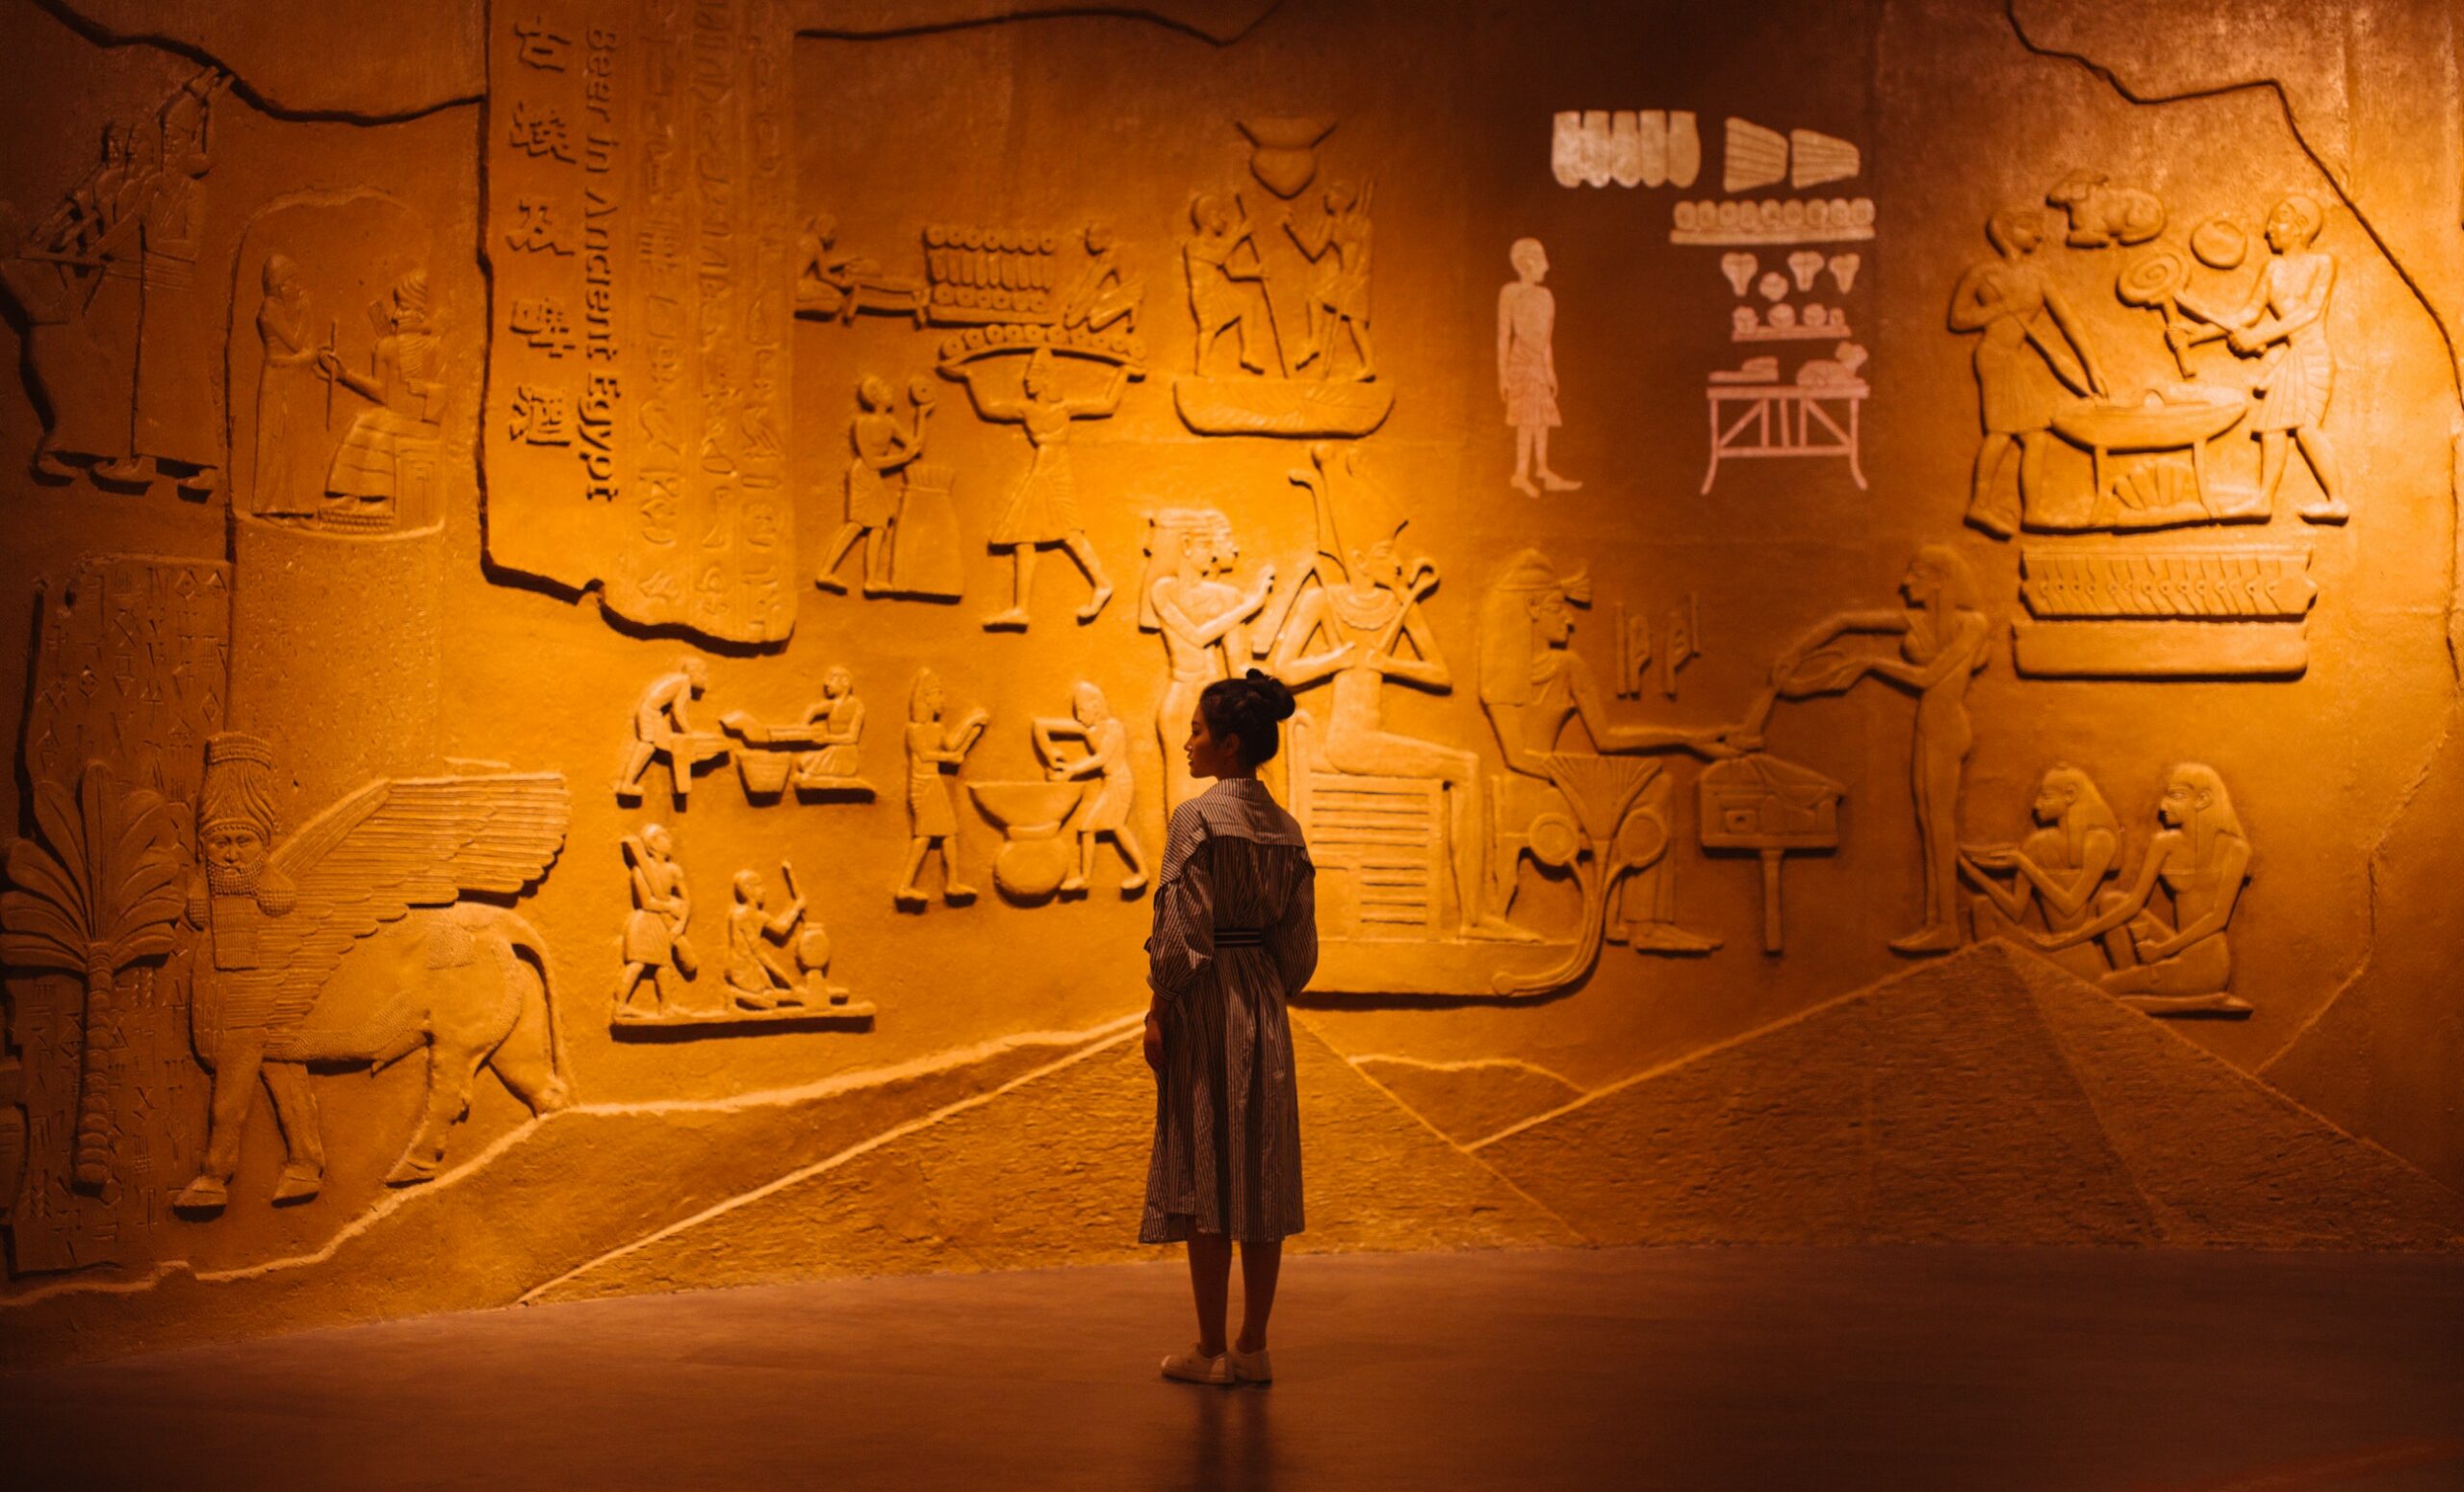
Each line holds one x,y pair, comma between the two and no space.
640,641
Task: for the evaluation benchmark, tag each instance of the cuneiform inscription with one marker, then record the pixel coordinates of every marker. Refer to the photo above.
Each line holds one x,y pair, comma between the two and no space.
2205,582
638,191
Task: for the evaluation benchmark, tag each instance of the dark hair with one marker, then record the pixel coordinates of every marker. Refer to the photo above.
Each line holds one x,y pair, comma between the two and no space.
1249,709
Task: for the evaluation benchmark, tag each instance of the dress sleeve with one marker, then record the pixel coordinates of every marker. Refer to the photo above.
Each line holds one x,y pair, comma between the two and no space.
1296,936
1182,946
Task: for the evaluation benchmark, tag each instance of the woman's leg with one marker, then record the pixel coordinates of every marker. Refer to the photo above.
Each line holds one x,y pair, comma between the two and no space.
1260,1265
1210,1281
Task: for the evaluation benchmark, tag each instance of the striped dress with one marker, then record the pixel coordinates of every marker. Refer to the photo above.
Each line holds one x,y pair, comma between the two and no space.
1236,934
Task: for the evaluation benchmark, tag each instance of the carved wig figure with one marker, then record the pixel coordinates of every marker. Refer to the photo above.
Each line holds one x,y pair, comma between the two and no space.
287,383
2202,858
2059,867
1218,292
406,385
931,823
347,943
1945,638
1204,619
1534,685
655,936
1044,510
1528,367
2014,307
1106,810
1366,604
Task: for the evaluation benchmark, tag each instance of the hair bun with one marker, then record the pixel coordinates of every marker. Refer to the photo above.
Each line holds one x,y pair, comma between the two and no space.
1272,694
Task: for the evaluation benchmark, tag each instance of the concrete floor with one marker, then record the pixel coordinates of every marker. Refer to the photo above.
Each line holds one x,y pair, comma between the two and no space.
1900,1369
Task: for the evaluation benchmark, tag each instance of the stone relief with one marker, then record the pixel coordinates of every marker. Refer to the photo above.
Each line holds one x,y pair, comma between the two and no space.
656,939
1681,635
642,197
130,676
815,755
1758,156
898,506
1207,622
1773,220
664,731
2102,613
1946,639
2152,451
832,284
1528,367
1645,147
1296,305
1755,415
777,967
2161,928
348,943
935,752
119,323
1049,827
1041,512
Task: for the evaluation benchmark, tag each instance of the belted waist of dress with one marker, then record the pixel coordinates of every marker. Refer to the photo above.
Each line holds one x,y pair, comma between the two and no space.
1240,937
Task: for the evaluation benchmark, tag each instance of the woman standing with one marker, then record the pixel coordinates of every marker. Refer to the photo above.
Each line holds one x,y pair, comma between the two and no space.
1236,936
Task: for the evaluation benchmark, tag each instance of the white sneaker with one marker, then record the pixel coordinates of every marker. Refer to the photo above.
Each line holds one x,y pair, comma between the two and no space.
1194,1367
1250,1367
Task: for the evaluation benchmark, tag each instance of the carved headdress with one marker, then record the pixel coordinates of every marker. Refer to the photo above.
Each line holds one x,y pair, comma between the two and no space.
239,792
1508,652
1167,531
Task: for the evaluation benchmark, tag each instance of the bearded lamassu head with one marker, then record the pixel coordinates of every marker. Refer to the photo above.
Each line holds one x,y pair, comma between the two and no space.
236,821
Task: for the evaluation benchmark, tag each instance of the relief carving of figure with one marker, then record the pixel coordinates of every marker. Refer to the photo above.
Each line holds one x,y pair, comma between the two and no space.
2012,303
1187,596
1534,685
1528,367
654,931
1109,289
756,978
348,943
1338,243
934,752
1364,602
1224,299
1044,510
1946,639
2200,858
663,727
285,486
1105,811
2284,325
883,449
387,465
840,714
2059,868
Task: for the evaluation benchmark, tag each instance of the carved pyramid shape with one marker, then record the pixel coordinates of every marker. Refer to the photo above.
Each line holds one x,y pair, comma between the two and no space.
1987,1098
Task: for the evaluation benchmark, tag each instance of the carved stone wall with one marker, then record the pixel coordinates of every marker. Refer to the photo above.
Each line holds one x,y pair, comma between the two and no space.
606,609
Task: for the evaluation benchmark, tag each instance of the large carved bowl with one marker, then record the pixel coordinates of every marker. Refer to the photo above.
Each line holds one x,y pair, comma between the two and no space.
2168,421
1027,810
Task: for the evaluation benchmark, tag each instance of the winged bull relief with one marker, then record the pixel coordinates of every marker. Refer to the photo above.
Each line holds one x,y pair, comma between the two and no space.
349,943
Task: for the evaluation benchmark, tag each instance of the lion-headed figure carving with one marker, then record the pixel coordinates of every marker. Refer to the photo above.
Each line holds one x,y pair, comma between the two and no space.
349,943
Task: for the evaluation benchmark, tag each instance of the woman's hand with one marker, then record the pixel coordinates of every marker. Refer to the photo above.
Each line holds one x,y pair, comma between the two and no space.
1154,1041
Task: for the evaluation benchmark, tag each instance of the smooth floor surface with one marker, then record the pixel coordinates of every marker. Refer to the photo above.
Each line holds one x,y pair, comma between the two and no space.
1902,1369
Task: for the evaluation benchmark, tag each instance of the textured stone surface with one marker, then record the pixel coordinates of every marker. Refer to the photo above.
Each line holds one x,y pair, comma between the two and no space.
1989,1096
1058,1172
1473,1101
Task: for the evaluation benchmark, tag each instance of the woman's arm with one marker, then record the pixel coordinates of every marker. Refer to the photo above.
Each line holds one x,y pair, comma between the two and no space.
1182,945
1946,663
2232,872
1295,936
2070,899
2133,901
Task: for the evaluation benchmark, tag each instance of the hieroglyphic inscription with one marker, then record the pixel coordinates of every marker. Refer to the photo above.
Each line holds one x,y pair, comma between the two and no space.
639,189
